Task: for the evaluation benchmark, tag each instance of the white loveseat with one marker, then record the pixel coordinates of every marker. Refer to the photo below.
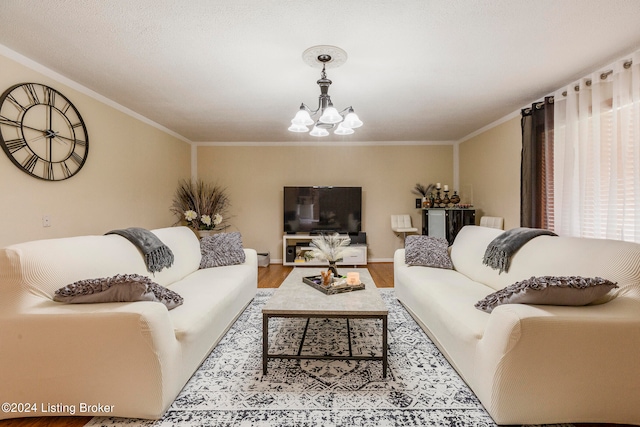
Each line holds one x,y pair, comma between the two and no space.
112,359
535,364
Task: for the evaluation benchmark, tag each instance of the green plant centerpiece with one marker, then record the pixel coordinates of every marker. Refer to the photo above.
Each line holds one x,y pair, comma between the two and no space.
200,205
332,248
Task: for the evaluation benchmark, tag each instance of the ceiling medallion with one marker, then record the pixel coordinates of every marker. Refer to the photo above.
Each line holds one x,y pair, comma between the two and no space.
324,56
344,121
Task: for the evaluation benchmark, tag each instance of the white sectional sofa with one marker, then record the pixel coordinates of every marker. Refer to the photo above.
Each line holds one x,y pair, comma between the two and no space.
115,359
535,364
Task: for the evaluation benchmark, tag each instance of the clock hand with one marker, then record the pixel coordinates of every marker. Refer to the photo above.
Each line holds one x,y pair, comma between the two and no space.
29,127
63,137
51,134
36,138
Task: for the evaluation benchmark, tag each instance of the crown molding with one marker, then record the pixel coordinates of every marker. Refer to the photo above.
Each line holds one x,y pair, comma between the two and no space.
489,126
327,143
35,66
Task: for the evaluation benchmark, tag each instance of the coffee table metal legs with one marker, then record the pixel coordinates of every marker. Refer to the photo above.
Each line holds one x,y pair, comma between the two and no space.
265,343
385,361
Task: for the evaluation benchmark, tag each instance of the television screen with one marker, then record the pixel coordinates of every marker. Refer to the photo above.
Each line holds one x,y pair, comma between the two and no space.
322,210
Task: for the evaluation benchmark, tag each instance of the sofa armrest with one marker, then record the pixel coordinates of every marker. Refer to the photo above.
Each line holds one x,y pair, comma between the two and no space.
251,257
118,354
398,260
507,323
536,356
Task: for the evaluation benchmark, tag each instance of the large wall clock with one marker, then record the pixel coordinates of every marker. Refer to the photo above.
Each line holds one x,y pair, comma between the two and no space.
42,132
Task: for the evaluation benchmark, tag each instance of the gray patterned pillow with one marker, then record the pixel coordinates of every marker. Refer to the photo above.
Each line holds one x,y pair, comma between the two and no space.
427,251
221,249
549,290
119,288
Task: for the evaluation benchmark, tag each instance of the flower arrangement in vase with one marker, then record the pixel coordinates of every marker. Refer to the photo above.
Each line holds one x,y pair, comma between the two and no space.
331,248
201,206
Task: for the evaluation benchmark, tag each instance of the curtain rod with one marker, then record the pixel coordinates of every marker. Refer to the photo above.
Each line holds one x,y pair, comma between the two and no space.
537,105
603,76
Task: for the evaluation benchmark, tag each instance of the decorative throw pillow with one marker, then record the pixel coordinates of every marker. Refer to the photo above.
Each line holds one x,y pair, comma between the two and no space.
427,251
119,288
221,249
549,290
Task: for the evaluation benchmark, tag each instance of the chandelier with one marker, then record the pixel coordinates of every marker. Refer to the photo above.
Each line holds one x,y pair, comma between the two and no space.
342,122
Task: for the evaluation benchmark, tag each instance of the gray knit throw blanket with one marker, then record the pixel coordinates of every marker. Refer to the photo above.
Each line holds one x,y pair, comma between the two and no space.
501,249
157,255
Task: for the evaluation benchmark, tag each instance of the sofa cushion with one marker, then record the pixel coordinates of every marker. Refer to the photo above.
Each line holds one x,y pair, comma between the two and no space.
549,290
119,288
215,297
221,249
427,251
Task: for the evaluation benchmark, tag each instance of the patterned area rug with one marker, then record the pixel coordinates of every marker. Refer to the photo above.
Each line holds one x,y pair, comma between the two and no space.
421,388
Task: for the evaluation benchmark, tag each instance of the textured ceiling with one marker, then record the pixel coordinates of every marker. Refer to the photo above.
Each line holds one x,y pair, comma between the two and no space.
231,70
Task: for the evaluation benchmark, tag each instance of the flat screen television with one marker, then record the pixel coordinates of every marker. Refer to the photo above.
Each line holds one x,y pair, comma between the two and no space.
318,210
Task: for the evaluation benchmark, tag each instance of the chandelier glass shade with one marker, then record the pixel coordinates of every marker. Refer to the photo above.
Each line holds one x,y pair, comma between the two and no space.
341,122
316,131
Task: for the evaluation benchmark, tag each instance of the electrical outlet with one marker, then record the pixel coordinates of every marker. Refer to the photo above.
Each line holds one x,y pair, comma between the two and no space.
46,220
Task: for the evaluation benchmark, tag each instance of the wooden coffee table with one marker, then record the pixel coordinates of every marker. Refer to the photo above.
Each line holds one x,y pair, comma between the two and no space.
296,299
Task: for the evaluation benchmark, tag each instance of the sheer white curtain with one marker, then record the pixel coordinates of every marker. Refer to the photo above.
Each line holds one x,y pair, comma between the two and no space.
597,154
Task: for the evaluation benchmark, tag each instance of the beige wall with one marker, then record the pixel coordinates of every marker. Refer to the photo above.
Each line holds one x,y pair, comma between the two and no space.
255,177
490,172
132,170
128,179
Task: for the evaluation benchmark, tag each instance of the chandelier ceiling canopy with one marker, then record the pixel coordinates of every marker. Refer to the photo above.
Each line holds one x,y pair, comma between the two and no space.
342,122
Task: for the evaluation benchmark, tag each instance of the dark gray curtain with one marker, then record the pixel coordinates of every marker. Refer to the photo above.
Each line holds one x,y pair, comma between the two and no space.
536,182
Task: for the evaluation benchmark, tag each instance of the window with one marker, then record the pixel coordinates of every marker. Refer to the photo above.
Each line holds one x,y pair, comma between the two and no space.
596,155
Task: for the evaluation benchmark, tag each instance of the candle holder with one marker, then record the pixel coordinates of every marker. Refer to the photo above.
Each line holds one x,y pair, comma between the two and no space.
353,278
445,199
437,201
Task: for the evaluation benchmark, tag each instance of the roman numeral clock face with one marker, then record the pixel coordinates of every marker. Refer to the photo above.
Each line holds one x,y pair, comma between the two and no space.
42,132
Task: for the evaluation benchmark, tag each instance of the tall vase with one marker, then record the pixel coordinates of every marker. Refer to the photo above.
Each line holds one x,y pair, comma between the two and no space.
204,233
333,269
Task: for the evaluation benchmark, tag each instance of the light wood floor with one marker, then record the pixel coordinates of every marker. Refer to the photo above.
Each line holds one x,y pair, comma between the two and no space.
269,277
